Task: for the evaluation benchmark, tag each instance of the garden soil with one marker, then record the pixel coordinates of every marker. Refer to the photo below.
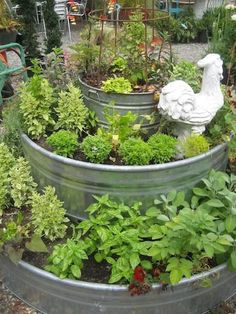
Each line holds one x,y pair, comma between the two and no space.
9,304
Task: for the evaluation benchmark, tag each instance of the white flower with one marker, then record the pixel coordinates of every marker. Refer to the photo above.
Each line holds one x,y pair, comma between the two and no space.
233,17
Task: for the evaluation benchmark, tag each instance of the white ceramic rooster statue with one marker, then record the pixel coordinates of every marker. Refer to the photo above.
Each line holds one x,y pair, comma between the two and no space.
192,112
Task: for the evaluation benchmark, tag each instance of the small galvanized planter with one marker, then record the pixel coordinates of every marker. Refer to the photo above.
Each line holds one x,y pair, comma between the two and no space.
52,295
76,181
138,103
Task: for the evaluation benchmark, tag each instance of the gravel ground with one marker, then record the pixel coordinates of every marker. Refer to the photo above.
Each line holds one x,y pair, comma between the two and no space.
9,304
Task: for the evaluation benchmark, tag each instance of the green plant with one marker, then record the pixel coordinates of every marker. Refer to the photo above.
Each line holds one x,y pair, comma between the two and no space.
22,183
135,151
53,39
180,236
223,33
66,259
7,21
163,147
121,127
117,85
184,28
187,72
119,65
71,111
63,142
28,28
12,126
7,161
96,148
48,215
36,100
195,145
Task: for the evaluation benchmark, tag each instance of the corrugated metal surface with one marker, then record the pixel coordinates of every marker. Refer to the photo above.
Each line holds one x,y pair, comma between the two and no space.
76,182
51,295
138,103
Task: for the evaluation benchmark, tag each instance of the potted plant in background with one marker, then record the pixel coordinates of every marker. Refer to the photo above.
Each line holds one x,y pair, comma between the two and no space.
8,24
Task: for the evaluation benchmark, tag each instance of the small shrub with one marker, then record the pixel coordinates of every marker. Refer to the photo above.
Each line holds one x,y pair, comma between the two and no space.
72,113
22,183
163,147
36,99
135,151
195,145
63,142
117,85
189,73
48,215
96,148
7,159
4,190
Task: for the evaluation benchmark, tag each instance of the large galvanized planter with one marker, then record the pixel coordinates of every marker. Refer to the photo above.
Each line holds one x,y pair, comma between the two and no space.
138,103
76,182
52,295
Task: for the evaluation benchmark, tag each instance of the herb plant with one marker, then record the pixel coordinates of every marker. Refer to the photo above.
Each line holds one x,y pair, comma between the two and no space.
163,147
117,85
48,215
22,183
189,73
135,151
195,145
96,148
66,260
71,111
36,100
7,161
63,142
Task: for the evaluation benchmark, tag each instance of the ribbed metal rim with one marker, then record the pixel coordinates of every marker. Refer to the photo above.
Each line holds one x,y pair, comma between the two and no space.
88,165
114,287
117,94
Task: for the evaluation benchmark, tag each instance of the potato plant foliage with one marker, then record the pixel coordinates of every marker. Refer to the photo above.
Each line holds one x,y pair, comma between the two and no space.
174,232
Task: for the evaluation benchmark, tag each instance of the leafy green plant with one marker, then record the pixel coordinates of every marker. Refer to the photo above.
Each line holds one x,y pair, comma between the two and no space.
187,72
135,151
63,142
48,215
119,65
112,232
163,147
96,148
175,233
117,85
36,100
7,161
66,259
195,145
12,126
71,111
120,127
22,183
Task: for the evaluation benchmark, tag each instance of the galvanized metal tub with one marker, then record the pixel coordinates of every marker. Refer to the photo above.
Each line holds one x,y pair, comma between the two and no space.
52,295
76,182
138,103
